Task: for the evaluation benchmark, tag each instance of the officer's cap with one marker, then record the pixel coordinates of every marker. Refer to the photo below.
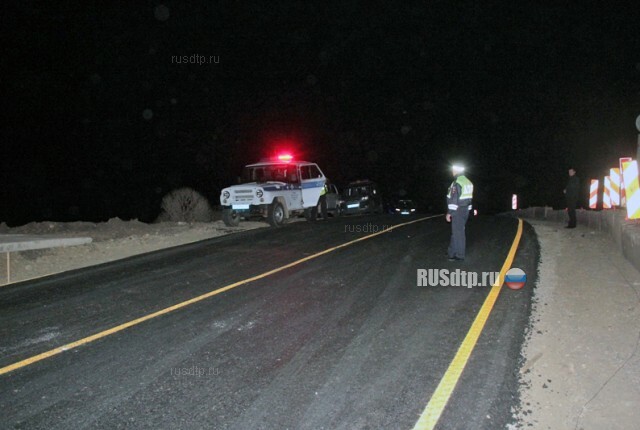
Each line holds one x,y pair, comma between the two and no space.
457,168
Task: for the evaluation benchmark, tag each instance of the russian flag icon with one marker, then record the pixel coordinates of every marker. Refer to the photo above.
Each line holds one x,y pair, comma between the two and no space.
515,278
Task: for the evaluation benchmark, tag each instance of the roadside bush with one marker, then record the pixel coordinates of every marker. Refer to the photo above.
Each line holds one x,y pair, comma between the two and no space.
187,205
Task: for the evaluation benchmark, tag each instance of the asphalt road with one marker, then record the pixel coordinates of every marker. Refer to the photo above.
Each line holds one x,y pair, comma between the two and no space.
346,340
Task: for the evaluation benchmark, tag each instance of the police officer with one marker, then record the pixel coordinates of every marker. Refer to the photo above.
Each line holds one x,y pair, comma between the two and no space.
572,194
459,204
323,201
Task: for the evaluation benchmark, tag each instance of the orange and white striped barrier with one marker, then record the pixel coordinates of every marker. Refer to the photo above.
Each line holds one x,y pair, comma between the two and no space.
623,194
606,195
614,175
593,194
630,172
514,202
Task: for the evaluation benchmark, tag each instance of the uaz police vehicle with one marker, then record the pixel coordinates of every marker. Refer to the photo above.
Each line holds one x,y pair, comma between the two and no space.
276,190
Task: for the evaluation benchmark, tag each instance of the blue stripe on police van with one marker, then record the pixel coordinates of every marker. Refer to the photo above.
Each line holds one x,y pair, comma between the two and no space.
305,185
315,184
281,187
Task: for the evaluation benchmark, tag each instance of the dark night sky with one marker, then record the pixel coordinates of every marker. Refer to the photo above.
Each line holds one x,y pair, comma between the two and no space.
99,122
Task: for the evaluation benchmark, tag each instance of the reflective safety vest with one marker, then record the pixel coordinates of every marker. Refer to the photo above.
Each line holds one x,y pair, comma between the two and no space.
460,193
323,191
467,188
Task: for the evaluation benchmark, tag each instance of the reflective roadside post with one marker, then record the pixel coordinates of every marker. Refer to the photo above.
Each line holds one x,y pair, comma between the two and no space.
633,189
606,194
616,185
623,192
593,194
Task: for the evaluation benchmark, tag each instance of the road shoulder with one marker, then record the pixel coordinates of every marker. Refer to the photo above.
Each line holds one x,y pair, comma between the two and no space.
581,358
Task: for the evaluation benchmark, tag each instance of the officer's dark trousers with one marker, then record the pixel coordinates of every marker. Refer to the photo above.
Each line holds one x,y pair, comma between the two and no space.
458,239
571,211
323,206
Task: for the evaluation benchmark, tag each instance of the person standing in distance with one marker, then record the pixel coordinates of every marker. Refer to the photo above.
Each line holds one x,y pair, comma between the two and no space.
458,206
572,193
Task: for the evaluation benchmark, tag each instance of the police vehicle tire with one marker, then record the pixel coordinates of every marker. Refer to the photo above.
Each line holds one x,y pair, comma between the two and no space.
230,218
311,214
275,214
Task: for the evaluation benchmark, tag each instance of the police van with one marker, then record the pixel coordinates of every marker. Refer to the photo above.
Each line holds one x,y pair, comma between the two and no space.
361,196
276,189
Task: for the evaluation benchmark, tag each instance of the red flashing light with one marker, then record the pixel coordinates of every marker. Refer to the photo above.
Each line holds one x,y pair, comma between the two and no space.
285,157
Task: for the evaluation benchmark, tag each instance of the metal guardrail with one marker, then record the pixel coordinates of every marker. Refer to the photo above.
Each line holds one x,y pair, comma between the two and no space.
24,242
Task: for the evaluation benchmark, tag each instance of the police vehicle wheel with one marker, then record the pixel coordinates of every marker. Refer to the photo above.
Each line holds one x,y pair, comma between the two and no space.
230,218
311,214
275,215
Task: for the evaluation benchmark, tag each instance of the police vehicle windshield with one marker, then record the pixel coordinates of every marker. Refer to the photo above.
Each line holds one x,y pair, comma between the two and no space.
269,172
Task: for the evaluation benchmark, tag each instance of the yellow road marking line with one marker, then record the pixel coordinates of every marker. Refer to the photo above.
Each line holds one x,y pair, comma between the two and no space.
441,395
196,299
